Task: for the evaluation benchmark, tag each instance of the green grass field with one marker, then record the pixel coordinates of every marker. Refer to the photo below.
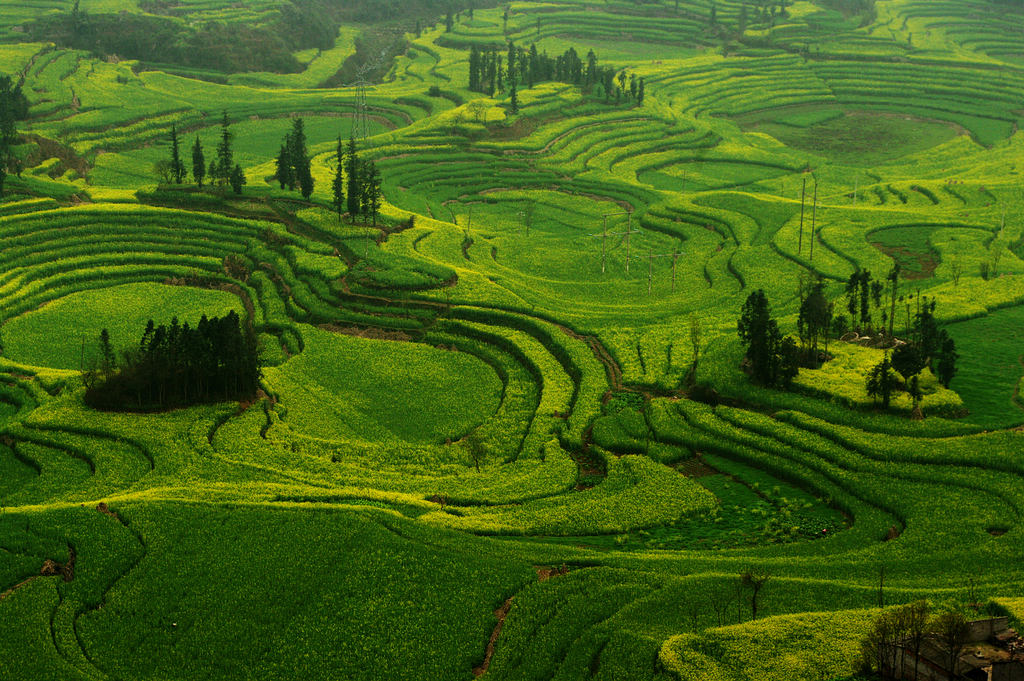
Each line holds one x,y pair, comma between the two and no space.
42,337
472,454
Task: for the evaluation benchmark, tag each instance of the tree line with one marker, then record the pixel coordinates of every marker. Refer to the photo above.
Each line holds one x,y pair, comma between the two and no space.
355,187
221,171
903,632
774,360
490,71
234,47
926,346
13,108
176,365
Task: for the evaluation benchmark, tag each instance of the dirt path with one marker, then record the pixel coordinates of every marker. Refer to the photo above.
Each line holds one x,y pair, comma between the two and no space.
501,613
17,586
611,367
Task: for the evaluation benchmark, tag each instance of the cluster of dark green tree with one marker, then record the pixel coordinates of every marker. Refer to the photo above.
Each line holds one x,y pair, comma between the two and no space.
356,186
293,167
221,171
899,635
13,108
491,71
177,365
927,346
772,360
234,47
872,304
165,33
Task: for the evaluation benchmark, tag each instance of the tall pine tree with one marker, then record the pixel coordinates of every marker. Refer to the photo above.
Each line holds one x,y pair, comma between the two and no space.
372,191
12,107
299,158
198,162
338,185
283,174
225,163
178,171
354,187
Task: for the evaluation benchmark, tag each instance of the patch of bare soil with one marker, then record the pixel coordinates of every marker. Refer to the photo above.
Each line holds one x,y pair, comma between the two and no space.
66,571
105,510
372,333
694,468
546,573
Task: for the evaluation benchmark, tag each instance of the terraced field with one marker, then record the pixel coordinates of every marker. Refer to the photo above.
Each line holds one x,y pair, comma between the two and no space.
474,453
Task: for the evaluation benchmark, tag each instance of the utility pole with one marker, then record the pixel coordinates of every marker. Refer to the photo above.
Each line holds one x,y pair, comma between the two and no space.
650,271
605,234
361,122
814,215
604,244
650,268
527,214
803,196
675,257
629,231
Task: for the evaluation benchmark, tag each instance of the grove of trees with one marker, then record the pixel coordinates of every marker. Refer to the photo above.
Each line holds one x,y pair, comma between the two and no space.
772,359
491,71
177,365
13,108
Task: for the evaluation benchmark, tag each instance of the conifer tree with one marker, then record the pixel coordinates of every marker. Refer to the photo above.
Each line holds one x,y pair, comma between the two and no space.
178,171
225,158
338,185
352,169
13,107
283,174
300,159
198,162
7,130
474,68
513,98
237,179
882,382
372,191
107,359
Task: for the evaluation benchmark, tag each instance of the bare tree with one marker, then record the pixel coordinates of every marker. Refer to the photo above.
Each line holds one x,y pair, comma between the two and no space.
477,450
950,630
754,579
917,629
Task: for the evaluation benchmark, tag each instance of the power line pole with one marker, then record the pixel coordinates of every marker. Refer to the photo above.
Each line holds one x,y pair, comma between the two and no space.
803,196
527,214
361,124
675,257
605,234
650,267
814,214
629,231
